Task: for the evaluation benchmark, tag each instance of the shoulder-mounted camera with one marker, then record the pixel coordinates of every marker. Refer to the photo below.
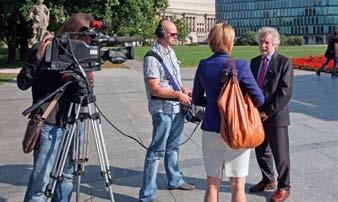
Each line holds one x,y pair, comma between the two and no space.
87,49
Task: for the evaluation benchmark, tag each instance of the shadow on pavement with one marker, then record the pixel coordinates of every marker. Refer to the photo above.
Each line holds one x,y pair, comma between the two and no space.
93,185
315,97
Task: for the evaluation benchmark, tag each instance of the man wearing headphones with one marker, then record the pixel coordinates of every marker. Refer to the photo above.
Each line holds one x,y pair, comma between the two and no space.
165,95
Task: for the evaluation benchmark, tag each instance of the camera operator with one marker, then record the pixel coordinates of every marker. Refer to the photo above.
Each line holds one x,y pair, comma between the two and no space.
33,74
167,118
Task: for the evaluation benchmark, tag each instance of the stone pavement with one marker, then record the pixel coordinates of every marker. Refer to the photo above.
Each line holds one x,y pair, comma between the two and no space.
121,96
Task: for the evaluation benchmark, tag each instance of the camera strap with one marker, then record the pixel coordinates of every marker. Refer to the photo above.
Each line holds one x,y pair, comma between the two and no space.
165,68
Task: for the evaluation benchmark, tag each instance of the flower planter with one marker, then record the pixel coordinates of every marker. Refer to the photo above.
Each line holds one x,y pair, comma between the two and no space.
311,63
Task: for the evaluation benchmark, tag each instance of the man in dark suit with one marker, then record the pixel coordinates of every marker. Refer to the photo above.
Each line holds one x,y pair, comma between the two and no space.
274,74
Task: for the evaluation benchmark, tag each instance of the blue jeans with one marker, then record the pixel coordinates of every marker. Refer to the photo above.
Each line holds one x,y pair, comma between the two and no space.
167,130
44,158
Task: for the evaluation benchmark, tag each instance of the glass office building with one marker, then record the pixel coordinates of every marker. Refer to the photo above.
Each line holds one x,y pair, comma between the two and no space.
315,20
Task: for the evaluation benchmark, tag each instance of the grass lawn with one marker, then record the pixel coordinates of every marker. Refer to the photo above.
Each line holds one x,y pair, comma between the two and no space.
191,55
3,59
4,77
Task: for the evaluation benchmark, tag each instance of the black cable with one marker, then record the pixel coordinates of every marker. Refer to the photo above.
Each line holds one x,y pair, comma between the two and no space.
139,141
59,44
89,88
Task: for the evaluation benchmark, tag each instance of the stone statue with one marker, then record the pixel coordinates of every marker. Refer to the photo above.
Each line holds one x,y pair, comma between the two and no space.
40,17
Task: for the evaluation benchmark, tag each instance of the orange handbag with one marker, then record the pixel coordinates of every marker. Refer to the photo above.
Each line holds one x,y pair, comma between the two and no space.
241,125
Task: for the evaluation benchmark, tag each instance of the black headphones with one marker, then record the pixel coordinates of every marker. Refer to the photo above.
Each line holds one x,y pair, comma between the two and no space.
159,31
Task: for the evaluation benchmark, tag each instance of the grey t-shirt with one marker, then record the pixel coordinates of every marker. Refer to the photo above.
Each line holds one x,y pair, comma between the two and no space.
152,68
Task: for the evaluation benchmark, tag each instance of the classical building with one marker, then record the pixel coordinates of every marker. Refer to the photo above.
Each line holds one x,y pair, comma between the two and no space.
315,20
199,15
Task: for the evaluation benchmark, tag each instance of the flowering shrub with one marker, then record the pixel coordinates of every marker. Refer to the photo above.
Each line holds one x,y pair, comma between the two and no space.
311,63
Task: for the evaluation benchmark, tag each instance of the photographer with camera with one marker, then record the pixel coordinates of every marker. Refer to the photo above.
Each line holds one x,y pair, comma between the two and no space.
165,93
34,74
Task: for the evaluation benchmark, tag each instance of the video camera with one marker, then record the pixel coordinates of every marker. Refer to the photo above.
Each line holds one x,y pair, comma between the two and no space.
86,48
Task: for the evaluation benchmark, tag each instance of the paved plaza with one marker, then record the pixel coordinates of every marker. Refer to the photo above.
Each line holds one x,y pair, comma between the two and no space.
121,97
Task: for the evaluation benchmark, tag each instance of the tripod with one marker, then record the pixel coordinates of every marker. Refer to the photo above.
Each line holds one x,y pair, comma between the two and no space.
82,113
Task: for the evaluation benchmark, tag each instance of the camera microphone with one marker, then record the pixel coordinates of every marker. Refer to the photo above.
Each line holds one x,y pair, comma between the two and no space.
123,39
116,40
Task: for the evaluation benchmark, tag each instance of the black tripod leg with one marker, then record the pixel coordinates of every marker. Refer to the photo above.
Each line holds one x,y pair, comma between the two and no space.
101,148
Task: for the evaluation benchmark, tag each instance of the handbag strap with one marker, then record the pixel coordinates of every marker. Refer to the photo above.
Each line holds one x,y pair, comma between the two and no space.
165,68
225,76
51,105
234,72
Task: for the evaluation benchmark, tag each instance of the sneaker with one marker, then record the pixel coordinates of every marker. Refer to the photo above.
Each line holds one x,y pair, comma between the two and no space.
184,186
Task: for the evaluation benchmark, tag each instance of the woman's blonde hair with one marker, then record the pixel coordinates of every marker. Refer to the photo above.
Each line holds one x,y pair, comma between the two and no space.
221,38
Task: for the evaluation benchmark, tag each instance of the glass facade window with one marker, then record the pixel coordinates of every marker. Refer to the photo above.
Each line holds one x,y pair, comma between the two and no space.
309,18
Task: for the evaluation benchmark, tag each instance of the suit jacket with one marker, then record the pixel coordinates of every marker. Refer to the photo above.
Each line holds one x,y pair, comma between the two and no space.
277,89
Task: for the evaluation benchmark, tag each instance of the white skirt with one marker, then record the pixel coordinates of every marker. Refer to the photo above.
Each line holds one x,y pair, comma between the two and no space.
216,152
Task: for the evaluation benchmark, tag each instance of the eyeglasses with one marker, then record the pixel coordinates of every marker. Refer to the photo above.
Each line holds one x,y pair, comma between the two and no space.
172,34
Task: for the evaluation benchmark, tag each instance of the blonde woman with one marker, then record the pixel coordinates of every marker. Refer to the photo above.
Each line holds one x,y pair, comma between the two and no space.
208,82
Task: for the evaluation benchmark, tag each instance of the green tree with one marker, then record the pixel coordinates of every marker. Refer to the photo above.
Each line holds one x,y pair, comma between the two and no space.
12,26
249,38
136,17
15,26
290,40
283,40
127,17
182,29
295,40
100,9
2,44
299,40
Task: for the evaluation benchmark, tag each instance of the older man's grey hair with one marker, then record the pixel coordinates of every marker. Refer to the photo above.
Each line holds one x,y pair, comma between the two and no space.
268,31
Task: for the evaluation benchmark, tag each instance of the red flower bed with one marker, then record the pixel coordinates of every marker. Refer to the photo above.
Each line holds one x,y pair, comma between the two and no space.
311,63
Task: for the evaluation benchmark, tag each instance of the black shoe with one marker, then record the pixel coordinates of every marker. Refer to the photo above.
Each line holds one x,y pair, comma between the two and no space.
261,186
318,72
184,186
